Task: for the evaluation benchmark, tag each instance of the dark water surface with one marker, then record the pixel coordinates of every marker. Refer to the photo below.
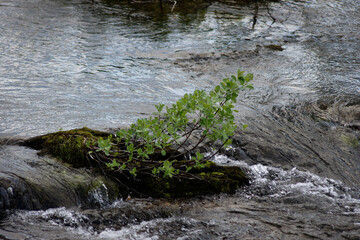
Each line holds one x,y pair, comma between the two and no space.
69,64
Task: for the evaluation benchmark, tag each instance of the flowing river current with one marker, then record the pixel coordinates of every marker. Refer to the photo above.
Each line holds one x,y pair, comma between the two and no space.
66,64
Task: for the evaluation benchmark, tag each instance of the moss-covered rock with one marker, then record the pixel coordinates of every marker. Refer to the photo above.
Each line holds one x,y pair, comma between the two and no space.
69,146
72,147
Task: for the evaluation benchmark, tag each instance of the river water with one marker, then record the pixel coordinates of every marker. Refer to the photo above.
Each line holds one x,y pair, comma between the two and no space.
69,64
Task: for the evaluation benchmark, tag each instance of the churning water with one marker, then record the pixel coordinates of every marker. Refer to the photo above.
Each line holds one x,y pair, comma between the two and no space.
69,64
291,203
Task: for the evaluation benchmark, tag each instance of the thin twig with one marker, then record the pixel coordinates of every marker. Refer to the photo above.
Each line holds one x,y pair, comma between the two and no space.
172,9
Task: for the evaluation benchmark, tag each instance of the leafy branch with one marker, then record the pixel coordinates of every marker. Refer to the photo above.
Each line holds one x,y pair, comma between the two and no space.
178,131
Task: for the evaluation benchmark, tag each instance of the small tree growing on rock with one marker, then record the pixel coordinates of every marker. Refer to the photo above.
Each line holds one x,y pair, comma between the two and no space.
168,143
163,155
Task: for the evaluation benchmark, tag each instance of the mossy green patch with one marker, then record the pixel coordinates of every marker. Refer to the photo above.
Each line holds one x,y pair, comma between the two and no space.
350,140
69,146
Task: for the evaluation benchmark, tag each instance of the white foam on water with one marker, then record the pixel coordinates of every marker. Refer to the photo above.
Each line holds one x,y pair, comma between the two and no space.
99,196
67,219
280,183
153,230
77,224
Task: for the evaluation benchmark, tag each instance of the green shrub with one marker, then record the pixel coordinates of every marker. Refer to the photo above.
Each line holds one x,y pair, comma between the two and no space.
164,140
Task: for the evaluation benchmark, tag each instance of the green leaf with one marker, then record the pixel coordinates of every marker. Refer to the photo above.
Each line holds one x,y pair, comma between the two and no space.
239,73
155,171
123,166
163,152
133,172
130,148
250,86
113,165
199,156
139,151
104,145
160,107
249,77
149,149
241,80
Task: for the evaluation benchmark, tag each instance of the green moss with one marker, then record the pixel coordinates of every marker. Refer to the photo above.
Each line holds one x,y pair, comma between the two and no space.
69,146
350,140
209,164
217,173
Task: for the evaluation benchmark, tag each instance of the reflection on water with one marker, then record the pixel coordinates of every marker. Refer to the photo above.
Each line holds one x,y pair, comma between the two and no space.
69,64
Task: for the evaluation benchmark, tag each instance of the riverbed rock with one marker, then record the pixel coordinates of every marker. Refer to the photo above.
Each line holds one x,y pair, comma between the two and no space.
30,181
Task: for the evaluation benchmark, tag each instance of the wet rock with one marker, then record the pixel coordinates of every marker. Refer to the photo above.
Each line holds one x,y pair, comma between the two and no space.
4,198
19,194
319,137
28,181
